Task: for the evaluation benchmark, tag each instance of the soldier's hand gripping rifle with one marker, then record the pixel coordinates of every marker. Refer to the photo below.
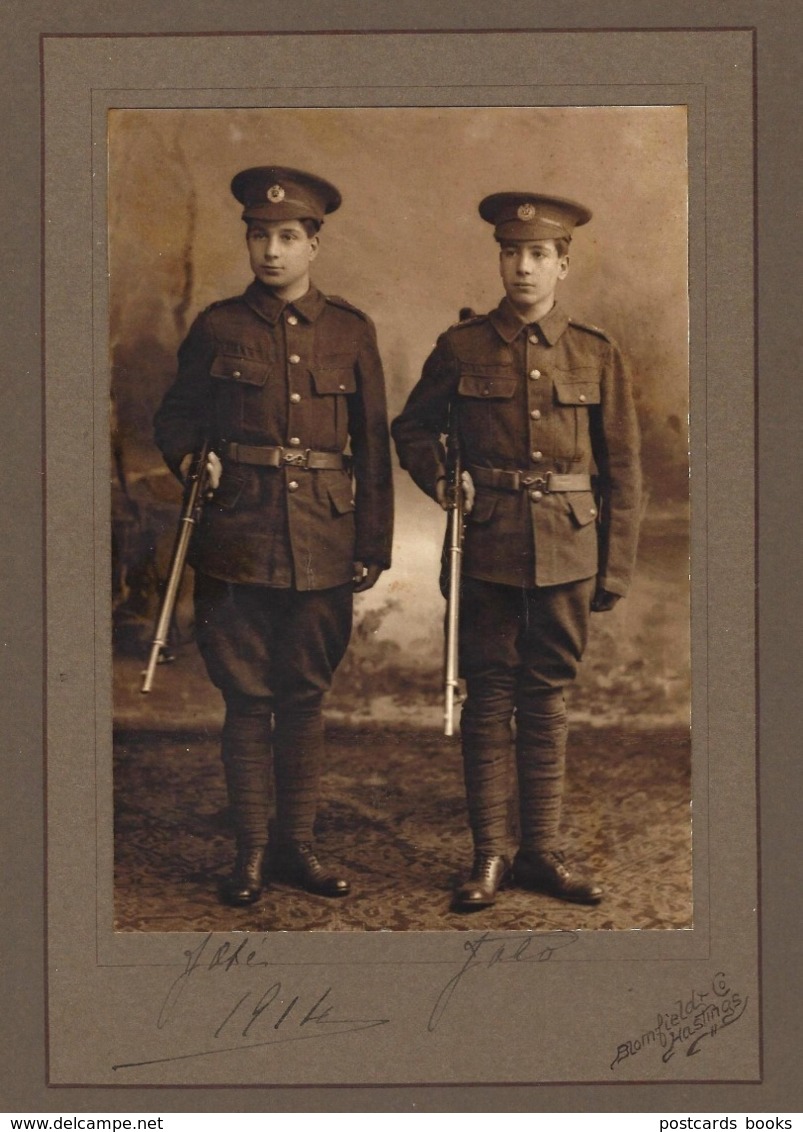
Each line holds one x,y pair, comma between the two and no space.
195,489
454,549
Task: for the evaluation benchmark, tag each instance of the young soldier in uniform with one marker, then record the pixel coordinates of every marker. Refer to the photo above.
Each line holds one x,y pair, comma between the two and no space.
548,437
281,379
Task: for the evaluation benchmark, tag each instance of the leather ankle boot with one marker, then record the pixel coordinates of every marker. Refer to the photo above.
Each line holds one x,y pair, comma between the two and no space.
488,875
296,863
244,886
548,871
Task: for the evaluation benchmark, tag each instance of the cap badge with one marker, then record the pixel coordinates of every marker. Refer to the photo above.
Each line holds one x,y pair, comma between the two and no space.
275,193
526,211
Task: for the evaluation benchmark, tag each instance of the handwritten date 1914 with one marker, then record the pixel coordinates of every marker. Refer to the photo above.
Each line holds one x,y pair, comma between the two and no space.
264,1013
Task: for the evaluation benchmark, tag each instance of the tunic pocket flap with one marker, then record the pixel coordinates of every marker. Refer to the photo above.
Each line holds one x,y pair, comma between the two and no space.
229,489
577,392
341,495
230,367
583,506
493,385
334,379
483,509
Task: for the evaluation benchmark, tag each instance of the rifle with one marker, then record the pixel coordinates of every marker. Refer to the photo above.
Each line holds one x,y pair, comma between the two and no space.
454,548
195,488
454,555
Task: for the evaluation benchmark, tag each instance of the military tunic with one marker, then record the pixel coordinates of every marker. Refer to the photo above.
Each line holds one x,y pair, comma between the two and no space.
305,375
549,397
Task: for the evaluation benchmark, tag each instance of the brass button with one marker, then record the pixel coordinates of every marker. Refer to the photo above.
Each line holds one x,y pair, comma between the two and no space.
537,455
294,359
536,495
582,396
536,414
342,386
535,374
236,373
294,442
295,398
593,512
293,485
291,318
533,338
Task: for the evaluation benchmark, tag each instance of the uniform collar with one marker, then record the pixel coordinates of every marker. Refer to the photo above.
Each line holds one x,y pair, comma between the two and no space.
508,325
262,300
553,324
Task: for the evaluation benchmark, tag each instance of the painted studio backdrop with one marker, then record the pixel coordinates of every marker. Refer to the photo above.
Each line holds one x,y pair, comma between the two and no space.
409,248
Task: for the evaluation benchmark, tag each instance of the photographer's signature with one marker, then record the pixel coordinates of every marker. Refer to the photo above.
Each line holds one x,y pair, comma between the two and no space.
690,1023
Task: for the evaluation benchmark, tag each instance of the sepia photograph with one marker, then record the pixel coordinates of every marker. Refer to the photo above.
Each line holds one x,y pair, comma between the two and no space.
400,529
401,664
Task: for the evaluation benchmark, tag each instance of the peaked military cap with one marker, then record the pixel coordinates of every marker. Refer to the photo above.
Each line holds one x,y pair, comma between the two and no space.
274,192
530,216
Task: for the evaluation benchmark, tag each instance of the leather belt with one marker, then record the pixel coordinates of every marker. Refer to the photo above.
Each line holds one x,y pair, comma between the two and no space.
547,482
267,457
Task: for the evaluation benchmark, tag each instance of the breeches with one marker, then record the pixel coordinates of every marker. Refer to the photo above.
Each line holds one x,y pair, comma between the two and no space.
518,651
272,653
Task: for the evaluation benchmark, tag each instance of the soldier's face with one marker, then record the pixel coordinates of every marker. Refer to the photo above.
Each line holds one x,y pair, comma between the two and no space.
531,271
281,253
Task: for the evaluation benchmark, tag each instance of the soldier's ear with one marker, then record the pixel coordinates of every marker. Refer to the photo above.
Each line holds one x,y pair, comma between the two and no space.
314,244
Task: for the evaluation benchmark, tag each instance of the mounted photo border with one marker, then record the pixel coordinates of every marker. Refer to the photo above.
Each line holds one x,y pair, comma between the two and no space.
388,1008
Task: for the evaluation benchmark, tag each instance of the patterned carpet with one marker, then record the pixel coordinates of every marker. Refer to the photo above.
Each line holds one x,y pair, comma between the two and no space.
393,817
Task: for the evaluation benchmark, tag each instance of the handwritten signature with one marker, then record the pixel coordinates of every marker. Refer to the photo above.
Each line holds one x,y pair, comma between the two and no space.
263,1015
488,951
691,1021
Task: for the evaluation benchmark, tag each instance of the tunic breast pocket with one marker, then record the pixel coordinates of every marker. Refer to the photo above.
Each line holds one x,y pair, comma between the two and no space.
333,380
575,392
487,383
485,404
239,392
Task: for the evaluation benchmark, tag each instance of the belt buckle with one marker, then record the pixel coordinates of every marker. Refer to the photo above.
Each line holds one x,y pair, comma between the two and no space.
296,459
541,483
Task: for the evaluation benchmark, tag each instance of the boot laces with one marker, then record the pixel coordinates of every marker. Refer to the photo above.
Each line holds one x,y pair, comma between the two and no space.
485,866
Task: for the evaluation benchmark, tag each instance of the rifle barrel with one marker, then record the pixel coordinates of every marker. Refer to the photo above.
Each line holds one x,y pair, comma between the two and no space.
452,618
455,540
190,510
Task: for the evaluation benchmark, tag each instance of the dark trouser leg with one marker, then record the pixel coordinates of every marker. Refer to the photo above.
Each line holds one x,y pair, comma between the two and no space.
487,633
246,755
232,624
541,736
298,759
246,758
317,631
233,630
551,644
486,741
489,625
